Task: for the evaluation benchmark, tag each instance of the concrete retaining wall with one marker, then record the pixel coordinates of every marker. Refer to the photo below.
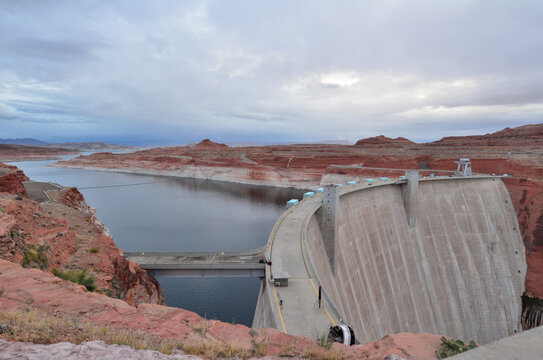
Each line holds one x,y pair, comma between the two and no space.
459,272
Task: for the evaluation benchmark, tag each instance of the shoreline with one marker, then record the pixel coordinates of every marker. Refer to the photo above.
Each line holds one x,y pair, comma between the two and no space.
202,176
34,158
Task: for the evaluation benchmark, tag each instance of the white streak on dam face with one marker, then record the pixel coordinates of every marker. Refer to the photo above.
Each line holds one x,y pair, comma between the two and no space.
458,272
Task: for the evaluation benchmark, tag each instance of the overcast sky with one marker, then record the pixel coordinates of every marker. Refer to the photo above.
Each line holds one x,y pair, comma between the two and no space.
170,72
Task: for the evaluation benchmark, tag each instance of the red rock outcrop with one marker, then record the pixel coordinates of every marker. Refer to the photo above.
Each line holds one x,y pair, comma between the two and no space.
208,144
74,198
11,180
383,140
23,288
64,234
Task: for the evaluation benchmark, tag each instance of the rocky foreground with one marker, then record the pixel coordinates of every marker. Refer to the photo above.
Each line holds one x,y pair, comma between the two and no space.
123,304
86,351
43,292
518,152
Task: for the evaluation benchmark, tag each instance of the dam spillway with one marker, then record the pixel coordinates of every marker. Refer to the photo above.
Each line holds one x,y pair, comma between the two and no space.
458,270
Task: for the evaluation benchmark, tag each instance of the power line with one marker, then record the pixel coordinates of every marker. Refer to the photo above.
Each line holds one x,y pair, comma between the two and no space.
121,185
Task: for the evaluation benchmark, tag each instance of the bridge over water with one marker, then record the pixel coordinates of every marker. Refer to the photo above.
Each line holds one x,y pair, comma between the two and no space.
201,264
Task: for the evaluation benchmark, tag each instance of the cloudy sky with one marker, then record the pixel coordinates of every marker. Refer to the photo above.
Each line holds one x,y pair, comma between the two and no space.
170,72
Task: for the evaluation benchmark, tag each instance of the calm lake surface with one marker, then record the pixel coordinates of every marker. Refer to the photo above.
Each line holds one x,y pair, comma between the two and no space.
172,214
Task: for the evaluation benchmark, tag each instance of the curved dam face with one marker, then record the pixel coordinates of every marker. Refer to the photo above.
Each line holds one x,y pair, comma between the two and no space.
458,270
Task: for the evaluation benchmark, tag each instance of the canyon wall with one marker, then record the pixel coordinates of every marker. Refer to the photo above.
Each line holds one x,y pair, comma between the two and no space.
64,234
459,272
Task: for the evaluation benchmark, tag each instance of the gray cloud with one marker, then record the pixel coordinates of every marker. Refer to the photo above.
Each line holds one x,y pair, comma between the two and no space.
255,116
43,49
8,112
281,70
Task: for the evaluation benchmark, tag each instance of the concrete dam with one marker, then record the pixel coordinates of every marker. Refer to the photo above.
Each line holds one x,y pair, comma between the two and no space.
442,255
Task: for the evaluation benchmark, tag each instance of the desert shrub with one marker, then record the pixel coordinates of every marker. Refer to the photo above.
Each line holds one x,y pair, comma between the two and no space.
80,276
322,354
451,347
94,250
35,256
214,350
260,348
325,341
107,292
202,327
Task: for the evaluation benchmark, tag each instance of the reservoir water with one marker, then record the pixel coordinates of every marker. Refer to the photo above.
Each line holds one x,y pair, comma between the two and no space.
173,214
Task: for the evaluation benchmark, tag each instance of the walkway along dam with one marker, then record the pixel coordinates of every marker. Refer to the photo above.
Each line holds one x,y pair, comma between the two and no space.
442,255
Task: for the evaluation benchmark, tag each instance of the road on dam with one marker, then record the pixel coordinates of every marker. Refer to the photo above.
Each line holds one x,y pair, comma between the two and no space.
297,309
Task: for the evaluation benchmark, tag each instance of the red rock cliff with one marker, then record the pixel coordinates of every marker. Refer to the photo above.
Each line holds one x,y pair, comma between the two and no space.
64,234
11,180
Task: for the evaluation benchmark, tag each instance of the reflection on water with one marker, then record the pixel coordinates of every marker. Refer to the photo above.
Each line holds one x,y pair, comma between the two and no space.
173,214
231,300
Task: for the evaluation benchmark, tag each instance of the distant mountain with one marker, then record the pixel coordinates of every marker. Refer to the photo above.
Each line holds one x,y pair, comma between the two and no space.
77,146
25,141
91,146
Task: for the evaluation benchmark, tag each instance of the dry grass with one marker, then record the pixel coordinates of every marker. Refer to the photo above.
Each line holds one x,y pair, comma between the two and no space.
322,354
47,328
201,327
260,348
42,327
317,353
325,341
217,350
